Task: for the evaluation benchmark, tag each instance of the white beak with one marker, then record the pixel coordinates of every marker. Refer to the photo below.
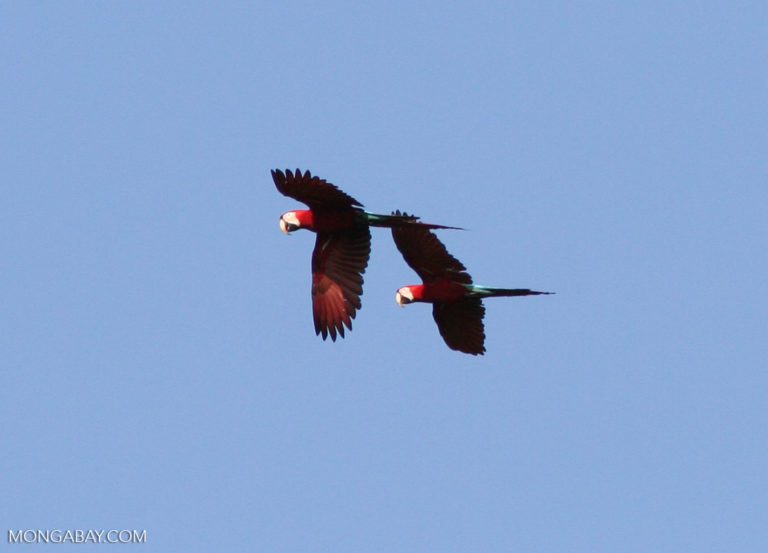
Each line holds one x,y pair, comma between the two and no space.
283,227
399,299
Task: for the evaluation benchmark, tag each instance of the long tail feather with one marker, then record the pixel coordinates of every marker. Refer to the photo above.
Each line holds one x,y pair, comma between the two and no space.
398,219
487,292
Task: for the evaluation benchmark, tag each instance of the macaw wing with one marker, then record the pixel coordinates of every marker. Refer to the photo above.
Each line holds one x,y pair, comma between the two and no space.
338,263
317,193
426,255
461,324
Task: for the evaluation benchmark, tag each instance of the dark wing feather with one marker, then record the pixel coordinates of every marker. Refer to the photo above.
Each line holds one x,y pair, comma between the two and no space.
338,263
426,255
317,193
461,324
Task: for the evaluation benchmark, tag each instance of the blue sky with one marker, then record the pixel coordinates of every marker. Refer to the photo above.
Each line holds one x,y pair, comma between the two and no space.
159,365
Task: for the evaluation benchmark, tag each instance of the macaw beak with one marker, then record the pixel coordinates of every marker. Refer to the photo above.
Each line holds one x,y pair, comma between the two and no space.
283,226
399,299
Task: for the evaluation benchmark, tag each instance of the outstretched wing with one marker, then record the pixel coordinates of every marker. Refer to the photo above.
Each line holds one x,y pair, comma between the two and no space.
338,263
461,324
426,255
317,193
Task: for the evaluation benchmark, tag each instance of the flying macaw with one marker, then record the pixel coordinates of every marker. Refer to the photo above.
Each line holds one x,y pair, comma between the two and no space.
342,247
457,305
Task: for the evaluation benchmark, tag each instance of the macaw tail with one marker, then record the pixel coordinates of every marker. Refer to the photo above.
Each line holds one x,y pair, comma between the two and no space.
487,291
398,219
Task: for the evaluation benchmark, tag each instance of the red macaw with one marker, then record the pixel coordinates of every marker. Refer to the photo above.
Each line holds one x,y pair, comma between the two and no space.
342,247
457,305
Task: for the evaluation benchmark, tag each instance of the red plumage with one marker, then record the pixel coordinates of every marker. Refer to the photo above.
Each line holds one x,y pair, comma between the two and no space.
457,307
341,252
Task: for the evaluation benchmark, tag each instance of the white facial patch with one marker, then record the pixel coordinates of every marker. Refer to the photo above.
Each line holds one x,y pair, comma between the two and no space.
403,296
289,218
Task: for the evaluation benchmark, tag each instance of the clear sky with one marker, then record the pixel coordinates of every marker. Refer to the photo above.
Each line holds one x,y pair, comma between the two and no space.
159,365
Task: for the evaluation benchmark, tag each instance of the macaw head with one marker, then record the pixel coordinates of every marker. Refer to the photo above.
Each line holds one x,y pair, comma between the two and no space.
289,222
404,296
